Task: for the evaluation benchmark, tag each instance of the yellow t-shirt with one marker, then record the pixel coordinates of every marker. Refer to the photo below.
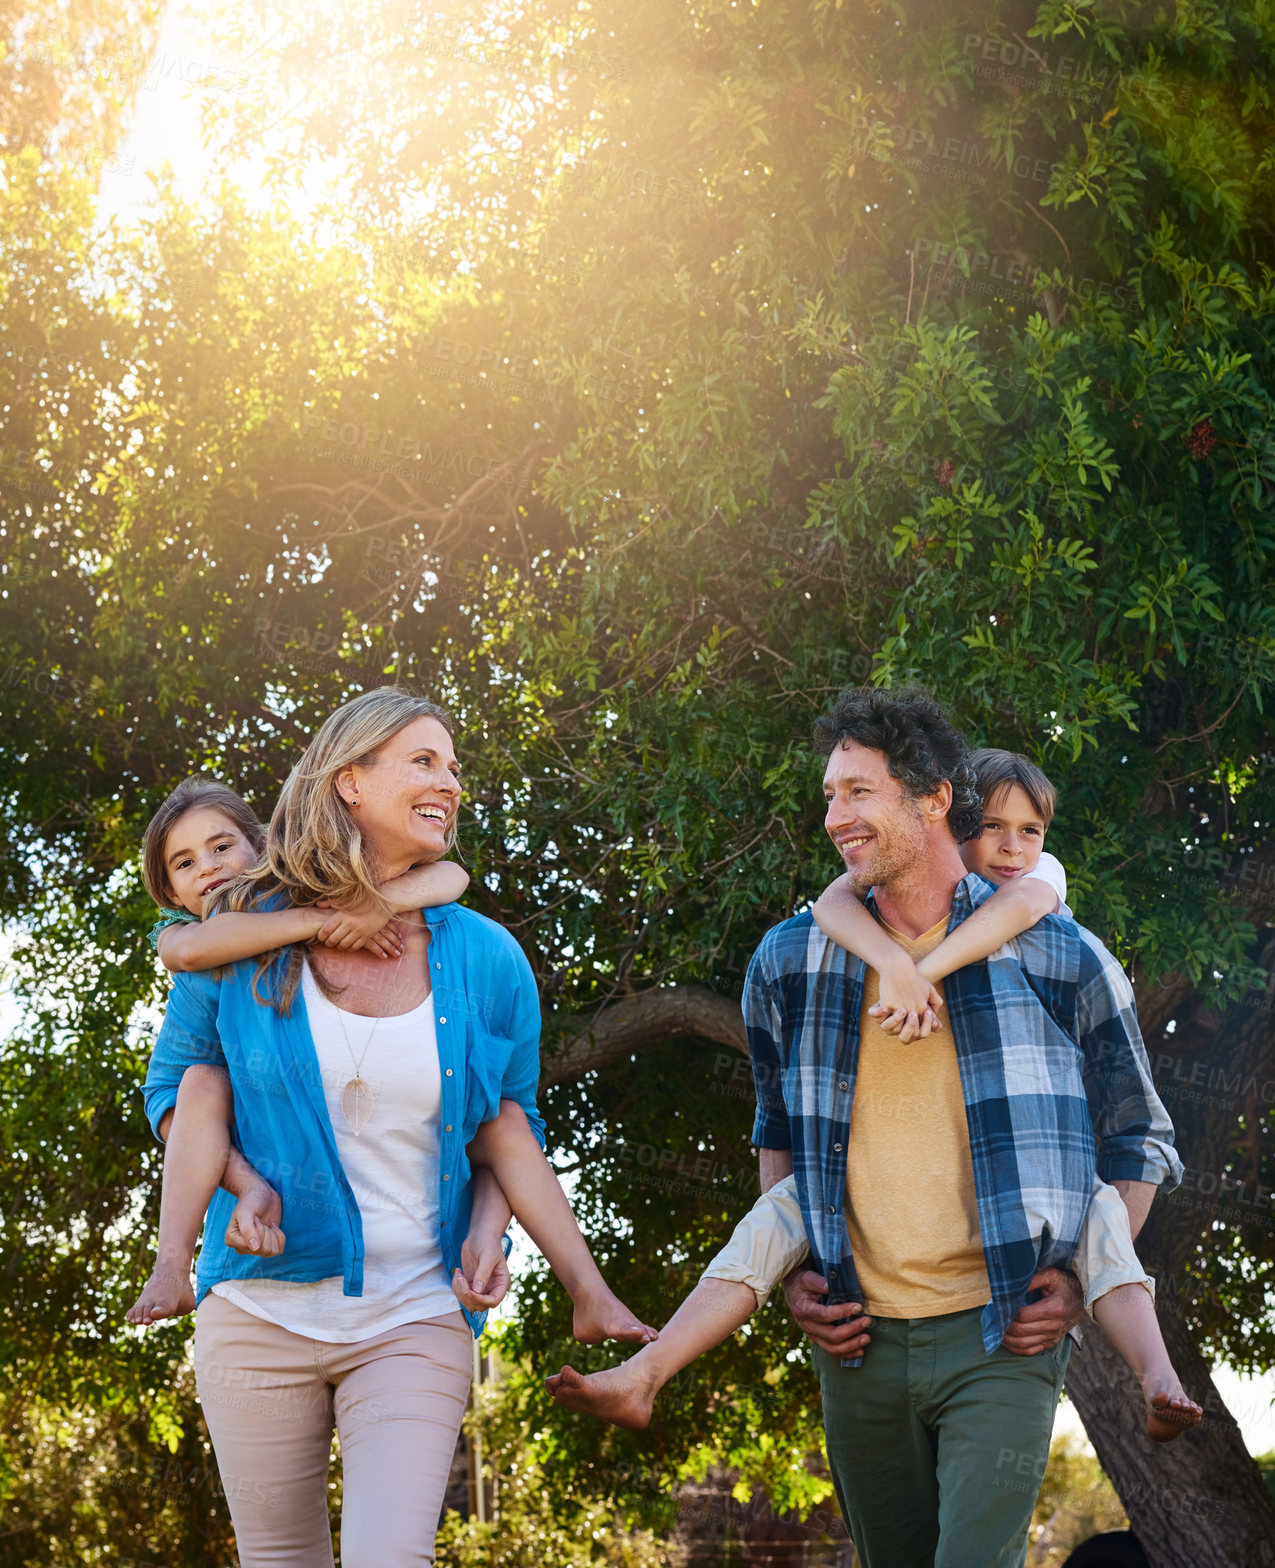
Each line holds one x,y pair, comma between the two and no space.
910,1205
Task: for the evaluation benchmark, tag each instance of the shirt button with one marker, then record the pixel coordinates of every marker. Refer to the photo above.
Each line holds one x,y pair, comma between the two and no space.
449,1072
448,1127
832,1208
446,1178
836,1148
442,1020
844,1084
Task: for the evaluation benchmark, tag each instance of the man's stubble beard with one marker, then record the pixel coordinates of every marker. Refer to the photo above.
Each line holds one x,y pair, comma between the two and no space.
894,858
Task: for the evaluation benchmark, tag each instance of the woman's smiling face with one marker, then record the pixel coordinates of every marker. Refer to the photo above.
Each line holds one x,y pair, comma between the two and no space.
406,799
204,848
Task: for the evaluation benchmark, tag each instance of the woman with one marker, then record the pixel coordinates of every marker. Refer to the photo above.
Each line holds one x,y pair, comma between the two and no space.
357,1084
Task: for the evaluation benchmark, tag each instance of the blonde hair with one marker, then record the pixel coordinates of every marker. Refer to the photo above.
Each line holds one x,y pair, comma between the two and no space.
189,795
314,848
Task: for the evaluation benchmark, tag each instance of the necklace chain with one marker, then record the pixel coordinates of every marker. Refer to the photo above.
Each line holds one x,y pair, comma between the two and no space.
357,1100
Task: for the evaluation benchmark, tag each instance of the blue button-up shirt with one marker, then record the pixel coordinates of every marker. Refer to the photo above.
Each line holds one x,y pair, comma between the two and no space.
1050,1058
487,1018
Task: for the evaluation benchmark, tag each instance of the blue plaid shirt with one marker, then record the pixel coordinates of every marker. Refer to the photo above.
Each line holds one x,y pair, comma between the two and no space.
1050,1057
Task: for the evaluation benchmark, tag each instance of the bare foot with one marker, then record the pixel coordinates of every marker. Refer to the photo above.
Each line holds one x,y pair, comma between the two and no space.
166,1294
616,1395
606,1317
1169,1415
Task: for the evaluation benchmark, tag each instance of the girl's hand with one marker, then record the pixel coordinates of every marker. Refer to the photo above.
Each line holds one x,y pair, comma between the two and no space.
909,1004
482,1279
361,927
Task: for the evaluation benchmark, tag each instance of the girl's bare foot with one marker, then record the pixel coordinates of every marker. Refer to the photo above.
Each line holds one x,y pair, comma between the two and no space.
617,1395
1170,1414
166,1294
605,1316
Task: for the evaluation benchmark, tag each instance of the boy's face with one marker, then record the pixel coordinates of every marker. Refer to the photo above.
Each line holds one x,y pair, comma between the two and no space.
1012,838
203,850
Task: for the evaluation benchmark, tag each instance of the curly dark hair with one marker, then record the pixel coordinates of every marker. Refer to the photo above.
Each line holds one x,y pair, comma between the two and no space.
921,745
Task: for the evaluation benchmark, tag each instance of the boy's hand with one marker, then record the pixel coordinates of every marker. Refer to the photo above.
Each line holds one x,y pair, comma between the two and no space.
909,1004
362,926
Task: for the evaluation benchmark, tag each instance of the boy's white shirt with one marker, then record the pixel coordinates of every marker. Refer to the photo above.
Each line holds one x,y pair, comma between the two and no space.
1049,869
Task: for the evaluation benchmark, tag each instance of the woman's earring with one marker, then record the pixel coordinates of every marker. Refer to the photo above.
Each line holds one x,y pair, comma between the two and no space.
355,801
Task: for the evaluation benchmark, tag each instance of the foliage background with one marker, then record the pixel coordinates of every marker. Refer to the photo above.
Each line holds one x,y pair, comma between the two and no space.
632,378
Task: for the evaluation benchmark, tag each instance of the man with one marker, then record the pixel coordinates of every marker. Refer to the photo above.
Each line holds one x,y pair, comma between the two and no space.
943,1184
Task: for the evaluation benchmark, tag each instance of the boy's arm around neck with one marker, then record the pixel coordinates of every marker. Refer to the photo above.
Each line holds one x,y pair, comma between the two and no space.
1009,912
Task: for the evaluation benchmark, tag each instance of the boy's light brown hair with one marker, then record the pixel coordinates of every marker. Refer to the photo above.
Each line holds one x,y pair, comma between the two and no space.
191,792
996,770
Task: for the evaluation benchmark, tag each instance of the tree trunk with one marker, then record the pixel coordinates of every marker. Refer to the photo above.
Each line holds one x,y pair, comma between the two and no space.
1201,1501
1197,1503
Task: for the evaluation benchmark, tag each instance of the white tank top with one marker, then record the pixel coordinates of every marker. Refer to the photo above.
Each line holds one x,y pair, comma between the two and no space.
393,1168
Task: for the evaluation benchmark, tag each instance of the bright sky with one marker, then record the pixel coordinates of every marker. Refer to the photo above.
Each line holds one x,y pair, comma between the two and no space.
163,123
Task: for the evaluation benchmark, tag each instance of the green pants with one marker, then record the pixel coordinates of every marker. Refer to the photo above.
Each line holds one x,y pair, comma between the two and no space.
937,1449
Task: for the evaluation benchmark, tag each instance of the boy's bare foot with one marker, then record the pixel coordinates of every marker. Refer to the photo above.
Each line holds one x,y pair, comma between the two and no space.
606,1317
1169,1415
166,1294
616,1395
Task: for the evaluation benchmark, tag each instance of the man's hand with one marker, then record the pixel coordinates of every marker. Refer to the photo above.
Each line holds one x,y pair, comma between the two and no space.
1041,1324
482,1279
803,1288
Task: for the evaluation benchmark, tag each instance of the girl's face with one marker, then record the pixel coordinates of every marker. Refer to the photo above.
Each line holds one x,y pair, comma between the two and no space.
204,848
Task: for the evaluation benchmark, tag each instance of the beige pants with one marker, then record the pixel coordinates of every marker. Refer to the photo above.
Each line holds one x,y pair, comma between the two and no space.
271,1399
1105,1257
768,1242
771,1239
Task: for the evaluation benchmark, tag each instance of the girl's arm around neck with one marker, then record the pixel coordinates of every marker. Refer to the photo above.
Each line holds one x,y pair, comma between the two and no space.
1011,910
225,939
426,887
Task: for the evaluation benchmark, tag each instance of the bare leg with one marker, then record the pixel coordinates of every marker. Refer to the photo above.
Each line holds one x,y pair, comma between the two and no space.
1127,1317
625,1395
198,1144
509,1148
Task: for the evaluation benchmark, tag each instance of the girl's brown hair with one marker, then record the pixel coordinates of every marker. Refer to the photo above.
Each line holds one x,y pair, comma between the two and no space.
314,849
193,792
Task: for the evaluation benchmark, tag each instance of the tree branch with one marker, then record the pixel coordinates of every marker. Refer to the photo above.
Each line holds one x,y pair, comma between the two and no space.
639,1022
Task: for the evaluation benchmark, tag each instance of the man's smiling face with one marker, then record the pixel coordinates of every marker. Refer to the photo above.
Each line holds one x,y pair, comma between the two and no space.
876,825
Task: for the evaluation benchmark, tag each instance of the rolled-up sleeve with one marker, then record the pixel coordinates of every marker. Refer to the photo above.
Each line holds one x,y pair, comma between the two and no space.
522,1026
1132,1127
187,1038
763,1028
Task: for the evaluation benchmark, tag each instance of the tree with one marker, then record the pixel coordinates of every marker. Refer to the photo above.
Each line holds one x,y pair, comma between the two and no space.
723,358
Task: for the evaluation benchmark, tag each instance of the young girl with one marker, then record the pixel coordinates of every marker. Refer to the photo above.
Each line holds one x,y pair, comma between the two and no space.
771,1239
202,838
